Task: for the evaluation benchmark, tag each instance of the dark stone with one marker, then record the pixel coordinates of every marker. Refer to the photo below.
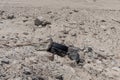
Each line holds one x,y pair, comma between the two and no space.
25,20
27,73
74,34
2,75
49,12
90,49
5,62
74,56
2,12
75,10
3,36
11,17
41,22
25,33
103,21
38,78
59,77
70,12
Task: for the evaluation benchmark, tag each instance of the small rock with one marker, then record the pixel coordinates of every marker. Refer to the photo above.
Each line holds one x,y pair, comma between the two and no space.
25,33
73,54
70,12
81,23
10,17
73,34
27,71
75,10
103,21
59,77
25,20
116,68
2,12
65,32
49,12
42,47
88,49
37,78
5,61
98,61
40,21
2,75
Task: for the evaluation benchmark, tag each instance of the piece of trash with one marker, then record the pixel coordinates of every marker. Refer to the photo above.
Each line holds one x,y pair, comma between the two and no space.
63,50
58,49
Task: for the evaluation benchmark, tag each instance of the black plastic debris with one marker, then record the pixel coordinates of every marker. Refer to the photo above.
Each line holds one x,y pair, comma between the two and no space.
63,50
58,49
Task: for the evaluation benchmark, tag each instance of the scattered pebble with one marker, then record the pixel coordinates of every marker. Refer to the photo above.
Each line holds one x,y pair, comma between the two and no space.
5,61
25,20
103,21
75,10
27,71
41,21
116,68
37,78
59,77
26,33
2,12
10,17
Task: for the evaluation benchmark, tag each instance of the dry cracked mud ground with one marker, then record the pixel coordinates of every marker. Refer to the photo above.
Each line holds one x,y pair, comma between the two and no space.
86,28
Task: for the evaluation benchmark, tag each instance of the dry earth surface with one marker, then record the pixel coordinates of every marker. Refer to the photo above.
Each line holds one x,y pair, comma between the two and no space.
91,25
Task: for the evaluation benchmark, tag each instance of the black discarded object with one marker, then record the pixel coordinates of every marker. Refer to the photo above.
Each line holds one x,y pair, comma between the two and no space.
58,49
63,50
